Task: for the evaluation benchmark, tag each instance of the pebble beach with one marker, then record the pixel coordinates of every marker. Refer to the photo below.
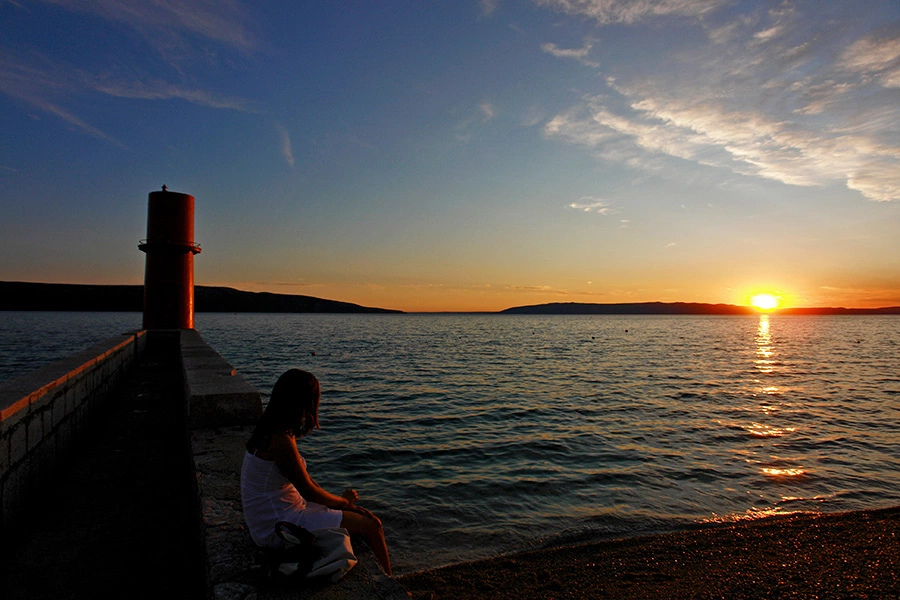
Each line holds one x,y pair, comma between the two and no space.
840,555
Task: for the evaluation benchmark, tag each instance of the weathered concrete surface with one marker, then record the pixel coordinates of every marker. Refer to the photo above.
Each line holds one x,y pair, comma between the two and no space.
234,574
217,395
122,520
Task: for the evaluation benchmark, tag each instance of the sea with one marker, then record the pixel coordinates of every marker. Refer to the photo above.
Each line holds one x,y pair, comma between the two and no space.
474,436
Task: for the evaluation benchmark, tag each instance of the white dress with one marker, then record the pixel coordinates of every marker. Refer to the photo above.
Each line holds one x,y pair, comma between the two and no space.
269,497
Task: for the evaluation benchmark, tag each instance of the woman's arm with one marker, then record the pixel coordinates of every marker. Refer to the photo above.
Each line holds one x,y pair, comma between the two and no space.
287,457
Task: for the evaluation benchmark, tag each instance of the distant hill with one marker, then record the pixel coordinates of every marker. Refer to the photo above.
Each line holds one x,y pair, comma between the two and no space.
681,308
16,295
223,299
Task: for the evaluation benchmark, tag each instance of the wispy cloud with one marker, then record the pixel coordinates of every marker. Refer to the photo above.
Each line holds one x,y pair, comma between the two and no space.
749,143
488,6
874,57
595,205
73,120
286,149
466,129
630,11
39,86
553,291
163,90
582,54
47,86
541,289
763,106
170,26
160,21
779,23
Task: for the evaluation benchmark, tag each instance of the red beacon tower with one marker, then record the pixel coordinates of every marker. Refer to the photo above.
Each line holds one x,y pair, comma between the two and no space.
169,266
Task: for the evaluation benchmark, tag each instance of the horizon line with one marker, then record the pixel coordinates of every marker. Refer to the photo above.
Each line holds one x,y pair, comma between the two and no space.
747,307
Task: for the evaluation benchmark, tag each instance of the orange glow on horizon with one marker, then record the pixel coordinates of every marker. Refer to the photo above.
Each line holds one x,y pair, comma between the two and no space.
462,297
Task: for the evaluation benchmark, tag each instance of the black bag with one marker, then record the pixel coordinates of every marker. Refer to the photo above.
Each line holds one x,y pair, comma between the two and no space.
296,558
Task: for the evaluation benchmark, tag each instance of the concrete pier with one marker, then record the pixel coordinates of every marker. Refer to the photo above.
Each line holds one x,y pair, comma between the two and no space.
145,500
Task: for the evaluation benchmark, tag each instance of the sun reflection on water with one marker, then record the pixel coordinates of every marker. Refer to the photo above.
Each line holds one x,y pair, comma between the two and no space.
766,431
783,471
752,514
764,349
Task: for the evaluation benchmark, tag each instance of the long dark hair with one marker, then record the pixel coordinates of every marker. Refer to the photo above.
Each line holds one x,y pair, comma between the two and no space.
293,408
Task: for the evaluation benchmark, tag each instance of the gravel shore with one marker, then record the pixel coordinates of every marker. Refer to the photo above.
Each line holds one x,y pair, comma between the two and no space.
841,555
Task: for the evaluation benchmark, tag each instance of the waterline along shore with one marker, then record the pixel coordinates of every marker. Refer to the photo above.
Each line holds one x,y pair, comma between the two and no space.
840,555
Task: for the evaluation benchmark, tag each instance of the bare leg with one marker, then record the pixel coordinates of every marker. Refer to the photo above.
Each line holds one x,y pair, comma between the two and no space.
371,530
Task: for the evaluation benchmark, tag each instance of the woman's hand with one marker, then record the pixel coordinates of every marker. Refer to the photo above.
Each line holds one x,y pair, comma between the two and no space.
364,512
350,496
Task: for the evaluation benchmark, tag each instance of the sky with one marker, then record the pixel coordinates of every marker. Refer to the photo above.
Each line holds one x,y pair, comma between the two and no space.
461,155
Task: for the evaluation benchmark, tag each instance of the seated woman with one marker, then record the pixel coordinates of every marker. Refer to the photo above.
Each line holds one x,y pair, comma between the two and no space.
275,485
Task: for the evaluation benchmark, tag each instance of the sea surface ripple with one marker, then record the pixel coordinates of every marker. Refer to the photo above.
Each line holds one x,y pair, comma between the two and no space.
476,435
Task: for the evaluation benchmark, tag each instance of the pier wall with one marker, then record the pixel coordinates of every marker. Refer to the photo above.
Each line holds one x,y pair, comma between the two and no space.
45,413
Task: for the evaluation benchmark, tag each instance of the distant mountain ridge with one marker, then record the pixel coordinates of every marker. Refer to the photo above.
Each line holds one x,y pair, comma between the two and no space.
682,308
16,295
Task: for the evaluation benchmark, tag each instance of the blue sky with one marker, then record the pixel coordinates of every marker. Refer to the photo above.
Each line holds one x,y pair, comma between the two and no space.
461,155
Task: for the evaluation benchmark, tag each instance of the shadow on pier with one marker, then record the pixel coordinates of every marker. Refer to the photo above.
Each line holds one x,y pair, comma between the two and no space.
122,518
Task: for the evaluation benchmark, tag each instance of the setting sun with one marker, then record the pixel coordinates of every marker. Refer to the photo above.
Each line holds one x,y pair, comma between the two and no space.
764,301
